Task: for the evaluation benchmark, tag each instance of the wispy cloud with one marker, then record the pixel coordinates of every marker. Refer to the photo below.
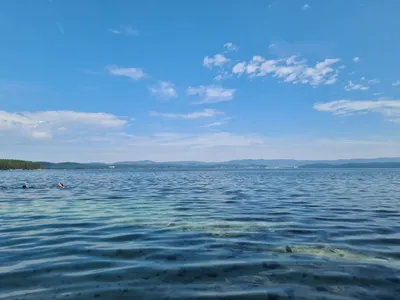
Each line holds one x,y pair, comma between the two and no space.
290,69
60,28
216,61
229,46
356,59
222,74
126,31
164,89
206,113
133,73
217,124
118,145
355,87
374,81
211,93
219,61
220,139
305,7
219,77
396,83
214,124
389,108
43,124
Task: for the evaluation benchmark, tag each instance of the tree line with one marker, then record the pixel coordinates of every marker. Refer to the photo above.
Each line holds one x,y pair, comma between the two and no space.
16,164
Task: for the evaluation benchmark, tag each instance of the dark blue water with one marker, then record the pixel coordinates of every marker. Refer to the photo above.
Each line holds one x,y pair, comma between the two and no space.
296,234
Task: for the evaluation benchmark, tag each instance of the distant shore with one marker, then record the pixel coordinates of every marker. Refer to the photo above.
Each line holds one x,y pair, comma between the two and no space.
13,164
16,164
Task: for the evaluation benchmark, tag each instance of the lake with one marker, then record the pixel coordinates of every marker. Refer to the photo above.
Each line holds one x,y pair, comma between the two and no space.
196,234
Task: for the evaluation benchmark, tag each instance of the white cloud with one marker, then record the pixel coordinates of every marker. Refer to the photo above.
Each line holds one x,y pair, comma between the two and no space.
389,108
83,136
218,60
305,7
43,124
164,89
206,113
219,77
396,83
229,46
355,87
41,135
374,81
209,146
125,30
63,117
222,74
214,124
217,124
356,59
213,140
133,73
290,70
211,93
239,68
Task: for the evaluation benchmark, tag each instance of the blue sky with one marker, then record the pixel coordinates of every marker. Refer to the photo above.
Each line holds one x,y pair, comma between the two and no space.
199,80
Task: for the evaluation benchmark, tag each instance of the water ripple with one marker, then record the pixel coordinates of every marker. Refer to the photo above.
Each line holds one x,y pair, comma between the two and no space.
200,235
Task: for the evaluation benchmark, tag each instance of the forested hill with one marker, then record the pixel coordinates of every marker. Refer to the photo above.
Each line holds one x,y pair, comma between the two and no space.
15,164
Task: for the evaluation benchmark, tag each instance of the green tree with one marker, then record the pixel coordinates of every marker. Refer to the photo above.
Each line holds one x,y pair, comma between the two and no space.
16,164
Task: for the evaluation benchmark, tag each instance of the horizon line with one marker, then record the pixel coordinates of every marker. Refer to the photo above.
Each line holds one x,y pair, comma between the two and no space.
209,162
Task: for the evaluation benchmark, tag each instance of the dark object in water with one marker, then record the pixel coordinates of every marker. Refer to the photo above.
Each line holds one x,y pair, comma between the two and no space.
24,186
271,266
288,249
60,185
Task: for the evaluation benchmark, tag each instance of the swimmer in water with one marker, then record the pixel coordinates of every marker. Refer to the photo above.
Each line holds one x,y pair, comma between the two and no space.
60,185
24,186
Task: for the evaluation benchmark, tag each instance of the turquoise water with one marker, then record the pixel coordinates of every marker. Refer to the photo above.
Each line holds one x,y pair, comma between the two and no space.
292,234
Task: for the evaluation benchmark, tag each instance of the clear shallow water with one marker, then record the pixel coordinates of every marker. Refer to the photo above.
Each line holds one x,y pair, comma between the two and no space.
321,234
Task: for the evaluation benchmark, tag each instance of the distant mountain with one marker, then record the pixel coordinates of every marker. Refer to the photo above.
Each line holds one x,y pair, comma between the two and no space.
359,160
257,163
72,165
293,162
139,162
353,165
188,163
263,162
240,162
171,163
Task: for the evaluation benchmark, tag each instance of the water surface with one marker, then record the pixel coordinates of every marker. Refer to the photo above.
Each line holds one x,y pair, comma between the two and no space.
273,234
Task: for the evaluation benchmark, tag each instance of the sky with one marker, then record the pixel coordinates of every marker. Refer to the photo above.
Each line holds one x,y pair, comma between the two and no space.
206,80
